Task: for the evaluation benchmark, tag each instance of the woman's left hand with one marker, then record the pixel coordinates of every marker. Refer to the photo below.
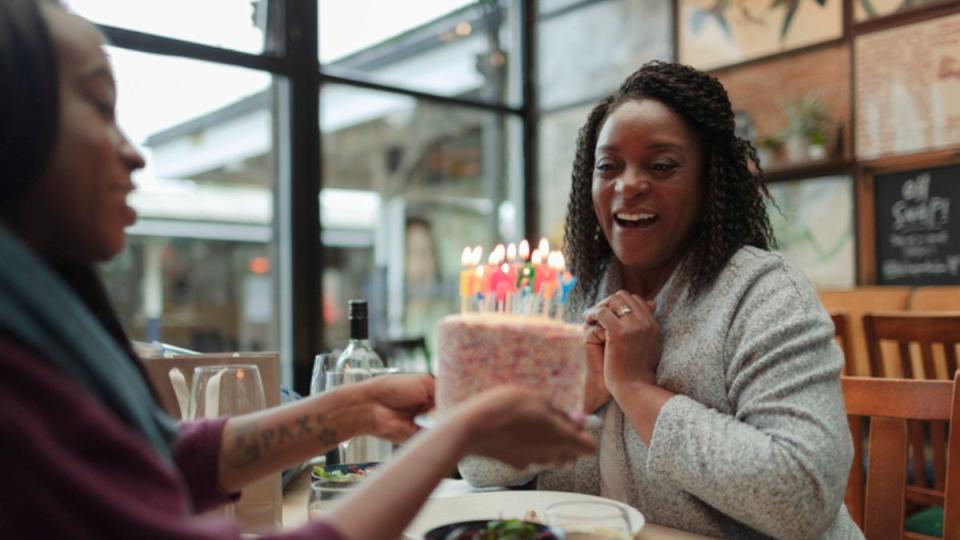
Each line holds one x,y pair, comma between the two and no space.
396,399
632,351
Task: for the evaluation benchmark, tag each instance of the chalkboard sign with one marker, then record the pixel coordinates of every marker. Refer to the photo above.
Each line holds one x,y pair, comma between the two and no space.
918,239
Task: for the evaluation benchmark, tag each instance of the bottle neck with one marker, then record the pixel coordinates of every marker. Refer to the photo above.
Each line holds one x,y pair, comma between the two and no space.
359,330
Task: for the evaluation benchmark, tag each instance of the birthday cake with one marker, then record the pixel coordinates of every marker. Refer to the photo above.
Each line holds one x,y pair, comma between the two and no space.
482,350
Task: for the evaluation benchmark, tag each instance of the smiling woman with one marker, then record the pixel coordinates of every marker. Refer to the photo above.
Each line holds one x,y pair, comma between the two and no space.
710,359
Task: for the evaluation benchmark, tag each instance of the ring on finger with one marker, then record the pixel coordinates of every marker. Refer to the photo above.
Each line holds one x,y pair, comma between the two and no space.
623,311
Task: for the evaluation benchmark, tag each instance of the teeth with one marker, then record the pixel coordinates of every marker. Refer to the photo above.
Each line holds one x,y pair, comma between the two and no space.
634,217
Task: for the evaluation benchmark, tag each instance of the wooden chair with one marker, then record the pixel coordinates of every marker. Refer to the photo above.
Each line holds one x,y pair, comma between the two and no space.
890,403
855,302
942,298
853,497
917,331
842,332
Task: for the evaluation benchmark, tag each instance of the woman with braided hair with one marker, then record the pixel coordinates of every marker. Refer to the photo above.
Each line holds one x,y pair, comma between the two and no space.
710,358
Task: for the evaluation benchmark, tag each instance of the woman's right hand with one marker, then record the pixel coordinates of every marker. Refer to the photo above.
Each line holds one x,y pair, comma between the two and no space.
595,393
519,427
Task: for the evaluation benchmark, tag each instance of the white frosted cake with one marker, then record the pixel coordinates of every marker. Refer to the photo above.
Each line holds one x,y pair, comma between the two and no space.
478,351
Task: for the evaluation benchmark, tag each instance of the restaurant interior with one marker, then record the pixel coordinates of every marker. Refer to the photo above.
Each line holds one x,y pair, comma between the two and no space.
303,154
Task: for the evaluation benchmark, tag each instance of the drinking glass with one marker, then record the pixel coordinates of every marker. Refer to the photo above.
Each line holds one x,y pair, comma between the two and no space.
583,520
323,363
365,448
322,494
226,391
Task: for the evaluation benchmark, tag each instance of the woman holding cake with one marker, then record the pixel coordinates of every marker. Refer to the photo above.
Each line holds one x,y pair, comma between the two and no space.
710,358
87,452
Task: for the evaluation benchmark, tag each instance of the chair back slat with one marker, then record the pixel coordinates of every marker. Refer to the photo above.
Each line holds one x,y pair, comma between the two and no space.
890,403
841,331
951,499
917,454
886,497
938,440
926,353
950,352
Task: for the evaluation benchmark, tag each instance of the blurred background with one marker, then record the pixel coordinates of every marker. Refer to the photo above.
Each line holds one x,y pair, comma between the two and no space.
304,153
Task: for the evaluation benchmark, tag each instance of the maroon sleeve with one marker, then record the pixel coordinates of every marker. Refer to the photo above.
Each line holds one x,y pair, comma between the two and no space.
197,455
72,469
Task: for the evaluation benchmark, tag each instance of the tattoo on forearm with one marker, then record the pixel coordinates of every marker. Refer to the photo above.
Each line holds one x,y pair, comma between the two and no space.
246,446
304,424
327,436
250,443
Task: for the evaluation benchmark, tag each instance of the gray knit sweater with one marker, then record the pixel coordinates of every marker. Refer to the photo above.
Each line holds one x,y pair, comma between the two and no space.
755,443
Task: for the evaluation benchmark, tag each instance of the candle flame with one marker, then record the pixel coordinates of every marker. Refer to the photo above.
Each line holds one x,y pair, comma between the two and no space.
466,257
477,255
552,260
537,258
544,247
524,250
492,258
480,271
561,261
512,252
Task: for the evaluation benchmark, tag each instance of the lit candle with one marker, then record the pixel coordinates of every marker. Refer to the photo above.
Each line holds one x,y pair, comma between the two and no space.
550,281
503,283
466,277
567,282
542,272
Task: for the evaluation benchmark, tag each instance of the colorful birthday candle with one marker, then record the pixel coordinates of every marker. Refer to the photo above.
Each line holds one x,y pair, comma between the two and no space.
466,277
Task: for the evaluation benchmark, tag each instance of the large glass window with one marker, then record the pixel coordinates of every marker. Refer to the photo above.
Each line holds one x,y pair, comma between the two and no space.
421,133
231,24
198,268
407,184
448,47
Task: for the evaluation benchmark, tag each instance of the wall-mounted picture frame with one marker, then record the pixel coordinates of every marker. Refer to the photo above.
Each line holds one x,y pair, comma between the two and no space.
868,10
907,85
717,33
813,222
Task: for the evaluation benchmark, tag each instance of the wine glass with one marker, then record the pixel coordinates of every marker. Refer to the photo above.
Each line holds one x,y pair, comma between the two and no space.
593,520
226,391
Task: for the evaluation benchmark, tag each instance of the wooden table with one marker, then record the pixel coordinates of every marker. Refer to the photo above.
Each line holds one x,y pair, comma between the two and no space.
295,508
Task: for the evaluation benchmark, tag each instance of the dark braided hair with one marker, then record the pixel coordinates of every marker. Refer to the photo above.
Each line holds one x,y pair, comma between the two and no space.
733,212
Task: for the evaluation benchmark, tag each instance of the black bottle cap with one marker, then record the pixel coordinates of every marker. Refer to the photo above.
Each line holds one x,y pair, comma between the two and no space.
357,309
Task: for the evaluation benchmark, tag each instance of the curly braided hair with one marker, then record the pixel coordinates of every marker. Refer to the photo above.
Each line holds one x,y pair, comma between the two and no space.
733,212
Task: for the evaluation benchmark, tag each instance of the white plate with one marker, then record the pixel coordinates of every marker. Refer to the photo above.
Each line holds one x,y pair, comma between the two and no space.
500,504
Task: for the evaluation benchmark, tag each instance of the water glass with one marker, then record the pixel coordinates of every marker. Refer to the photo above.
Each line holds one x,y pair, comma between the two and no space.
582,520
365,448
322,495
323,363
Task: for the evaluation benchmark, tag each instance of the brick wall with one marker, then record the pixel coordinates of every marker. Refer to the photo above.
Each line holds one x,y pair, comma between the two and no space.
758,89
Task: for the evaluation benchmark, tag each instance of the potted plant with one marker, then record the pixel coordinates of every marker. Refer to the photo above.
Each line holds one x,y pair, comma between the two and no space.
769,149
807,122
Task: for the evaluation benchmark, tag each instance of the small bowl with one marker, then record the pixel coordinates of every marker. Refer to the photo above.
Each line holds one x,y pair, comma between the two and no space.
443,531
343,468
